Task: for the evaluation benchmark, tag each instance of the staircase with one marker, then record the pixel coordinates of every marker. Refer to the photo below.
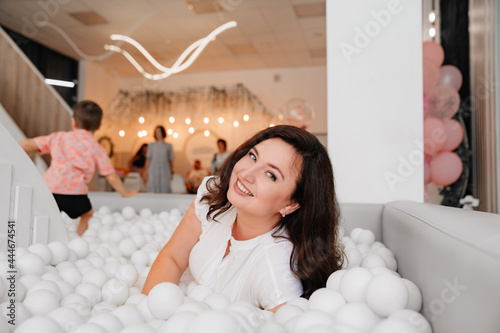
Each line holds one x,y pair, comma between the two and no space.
28,211
34,106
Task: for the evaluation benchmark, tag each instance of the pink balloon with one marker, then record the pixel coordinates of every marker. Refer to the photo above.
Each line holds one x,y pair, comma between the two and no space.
450,75
431,75
426,105
446,168
444,102
434,51
434,135
427,170
454,134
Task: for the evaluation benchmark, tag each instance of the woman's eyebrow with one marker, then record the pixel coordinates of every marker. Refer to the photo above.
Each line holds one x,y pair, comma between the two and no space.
270,164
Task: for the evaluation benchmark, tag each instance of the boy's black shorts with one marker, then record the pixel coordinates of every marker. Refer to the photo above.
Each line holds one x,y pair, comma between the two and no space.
75,205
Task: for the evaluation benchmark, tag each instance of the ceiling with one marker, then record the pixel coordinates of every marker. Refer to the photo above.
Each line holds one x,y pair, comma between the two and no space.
269,34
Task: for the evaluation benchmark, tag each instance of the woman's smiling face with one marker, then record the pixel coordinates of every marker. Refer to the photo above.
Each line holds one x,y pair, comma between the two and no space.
263,181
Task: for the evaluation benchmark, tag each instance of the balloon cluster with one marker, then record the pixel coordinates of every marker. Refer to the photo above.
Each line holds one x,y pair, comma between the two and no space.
298,112
442,134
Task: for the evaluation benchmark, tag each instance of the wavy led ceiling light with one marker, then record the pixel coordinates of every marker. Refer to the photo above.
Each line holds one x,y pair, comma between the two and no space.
194,49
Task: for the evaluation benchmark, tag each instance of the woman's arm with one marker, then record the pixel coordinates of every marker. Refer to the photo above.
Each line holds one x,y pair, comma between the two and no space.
173,259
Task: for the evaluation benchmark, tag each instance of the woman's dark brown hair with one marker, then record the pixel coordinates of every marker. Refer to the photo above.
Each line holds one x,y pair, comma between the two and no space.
313,228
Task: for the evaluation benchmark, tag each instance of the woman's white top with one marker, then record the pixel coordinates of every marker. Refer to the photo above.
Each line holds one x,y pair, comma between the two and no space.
256,270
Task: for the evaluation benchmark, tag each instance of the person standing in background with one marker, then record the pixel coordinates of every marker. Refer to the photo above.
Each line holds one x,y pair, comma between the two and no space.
138,161
159,168
219,157
195,177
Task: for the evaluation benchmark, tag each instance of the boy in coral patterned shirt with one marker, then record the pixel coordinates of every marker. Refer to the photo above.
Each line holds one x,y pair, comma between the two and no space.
74,157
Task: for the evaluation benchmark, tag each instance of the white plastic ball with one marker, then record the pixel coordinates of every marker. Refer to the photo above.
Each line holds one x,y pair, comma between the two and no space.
30,263
43,251
286,312
213,321
102,308
41,302
391,262
301,302
80,246
72,276
107,320
46,285
326,300
115,292
414,318
386,294
139,258
90,328
272,327
39,324
29,280
366,237
65,288
128,212
90,291
357,315
60,252
179,322
373,260
67,318
143,309
333,281
146,213
353,258
164,299
127,247
138,328
104,210
312,318
353,284
128,315
354,234
128,274
394,326
96,276
199,292
414,296
193,306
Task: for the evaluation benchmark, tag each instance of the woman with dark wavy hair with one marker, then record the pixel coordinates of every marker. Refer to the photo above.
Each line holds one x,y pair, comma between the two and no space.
265,228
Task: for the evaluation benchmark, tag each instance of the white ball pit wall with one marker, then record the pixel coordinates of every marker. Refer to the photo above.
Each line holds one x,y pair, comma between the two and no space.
25,198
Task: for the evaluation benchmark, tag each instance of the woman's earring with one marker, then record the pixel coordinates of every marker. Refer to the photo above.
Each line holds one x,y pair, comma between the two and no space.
283,215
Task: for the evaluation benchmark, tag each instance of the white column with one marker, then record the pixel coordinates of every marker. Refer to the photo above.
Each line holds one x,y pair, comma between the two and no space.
375,104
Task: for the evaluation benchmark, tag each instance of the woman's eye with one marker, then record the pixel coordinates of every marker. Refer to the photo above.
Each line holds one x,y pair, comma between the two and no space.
252,156
271,176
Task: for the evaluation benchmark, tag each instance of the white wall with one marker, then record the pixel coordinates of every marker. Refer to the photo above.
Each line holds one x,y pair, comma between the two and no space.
375,107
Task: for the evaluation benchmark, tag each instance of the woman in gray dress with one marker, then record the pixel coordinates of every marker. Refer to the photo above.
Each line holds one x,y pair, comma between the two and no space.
159,163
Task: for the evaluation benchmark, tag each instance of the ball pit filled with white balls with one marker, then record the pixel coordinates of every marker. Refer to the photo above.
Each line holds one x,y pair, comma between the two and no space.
93,284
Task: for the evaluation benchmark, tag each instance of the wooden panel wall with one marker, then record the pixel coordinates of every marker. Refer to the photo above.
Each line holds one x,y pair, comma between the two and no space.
35,106
482,16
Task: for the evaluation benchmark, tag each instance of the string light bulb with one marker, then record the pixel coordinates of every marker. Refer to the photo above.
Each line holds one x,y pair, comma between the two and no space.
246,117
170,131
432,16
206,133
141,120
171,120
236,123
121,133
191,130
206,120
188,121
221,120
